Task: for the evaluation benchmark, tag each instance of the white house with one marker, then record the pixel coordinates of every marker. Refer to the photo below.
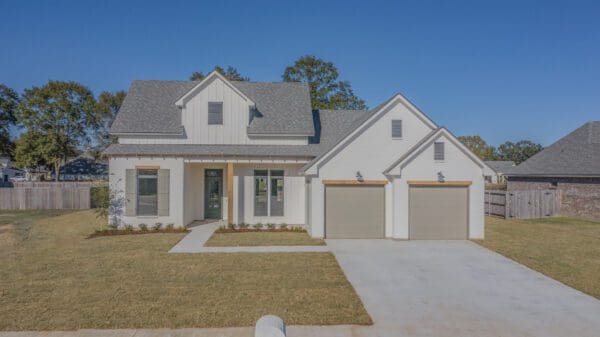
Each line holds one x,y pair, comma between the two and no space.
247,152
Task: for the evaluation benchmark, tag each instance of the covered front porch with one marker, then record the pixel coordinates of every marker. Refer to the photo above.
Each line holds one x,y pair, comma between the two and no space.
243,191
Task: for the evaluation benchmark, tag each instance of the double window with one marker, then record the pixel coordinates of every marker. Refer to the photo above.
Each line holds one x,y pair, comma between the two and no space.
147,193
268,193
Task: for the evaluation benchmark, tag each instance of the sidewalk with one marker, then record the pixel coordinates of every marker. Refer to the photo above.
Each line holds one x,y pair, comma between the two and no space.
195,240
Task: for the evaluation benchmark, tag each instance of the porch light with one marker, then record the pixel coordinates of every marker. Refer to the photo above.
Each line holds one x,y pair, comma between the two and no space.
359,176
441,177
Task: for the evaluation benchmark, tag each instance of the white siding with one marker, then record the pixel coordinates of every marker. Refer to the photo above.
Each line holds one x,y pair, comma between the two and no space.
117,167
456,166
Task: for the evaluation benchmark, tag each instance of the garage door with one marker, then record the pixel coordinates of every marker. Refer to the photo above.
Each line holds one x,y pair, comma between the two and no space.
354,212
438,213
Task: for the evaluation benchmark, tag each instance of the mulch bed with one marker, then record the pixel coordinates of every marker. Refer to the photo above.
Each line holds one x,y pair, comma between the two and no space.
254,230
113,232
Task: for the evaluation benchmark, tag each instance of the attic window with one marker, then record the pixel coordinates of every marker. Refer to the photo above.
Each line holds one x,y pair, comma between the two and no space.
215,113
397,128
438,151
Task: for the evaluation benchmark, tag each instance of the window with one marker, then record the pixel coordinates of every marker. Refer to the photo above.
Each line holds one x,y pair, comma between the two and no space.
215,113
438,151
268,193
396,128
147,200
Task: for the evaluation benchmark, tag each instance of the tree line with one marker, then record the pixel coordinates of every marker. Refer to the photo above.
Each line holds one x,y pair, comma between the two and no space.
61,119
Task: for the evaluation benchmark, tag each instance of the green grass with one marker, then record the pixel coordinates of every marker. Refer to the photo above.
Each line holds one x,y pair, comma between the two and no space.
55,279
566,249
263,239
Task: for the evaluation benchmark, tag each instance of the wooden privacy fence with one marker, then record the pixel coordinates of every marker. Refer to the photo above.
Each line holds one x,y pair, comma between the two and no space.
47,195
522,204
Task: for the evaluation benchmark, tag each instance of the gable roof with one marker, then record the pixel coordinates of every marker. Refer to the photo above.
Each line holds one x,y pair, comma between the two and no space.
150,107
360,124
500,166
414,151
575,155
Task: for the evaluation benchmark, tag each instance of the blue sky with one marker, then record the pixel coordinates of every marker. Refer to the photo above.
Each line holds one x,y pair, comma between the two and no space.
506,70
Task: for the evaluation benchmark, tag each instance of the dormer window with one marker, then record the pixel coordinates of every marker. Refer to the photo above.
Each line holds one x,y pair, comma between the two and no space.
215,113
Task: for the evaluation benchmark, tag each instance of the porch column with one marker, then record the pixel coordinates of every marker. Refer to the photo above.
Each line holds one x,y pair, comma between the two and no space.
229,192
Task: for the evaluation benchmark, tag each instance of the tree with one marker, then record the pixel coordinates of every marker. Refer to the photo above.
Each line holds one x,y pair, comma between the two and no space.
107,106
57,115
519,151
326,92
479,147
230,73
29,152
8,103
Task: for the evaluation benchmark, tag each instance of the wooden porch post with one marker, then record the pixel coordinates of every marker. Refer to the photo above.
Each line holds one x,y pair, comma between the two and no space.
229,192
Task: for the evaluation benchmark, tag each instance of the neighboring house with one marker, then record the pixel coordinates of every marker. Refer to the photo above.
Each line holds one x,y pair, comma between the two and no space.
499,168
248,152
84,168
8,172
572,166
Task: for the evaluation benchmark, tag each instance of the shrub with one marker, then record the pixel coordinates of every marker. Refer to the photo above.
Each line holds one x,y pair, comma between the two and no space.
283,226
113,226
231,226
157,226
128,227
258,226
143,226
271,226
243,225
170,226
99,197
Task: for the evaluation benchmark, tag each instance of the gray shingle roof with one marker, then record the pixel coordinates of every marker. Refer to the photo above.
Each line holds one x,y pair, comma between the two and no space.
331,127
576,154
500,166
150,107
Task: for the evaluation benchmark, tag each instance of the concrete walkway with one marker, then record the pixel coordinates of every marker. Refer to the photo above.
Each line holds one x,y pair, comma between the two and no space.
195,240
458,288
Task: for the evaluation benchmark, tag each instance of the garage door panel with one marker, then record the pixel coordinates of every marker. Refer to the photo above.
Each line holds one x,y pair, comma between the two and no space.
354,212
438,213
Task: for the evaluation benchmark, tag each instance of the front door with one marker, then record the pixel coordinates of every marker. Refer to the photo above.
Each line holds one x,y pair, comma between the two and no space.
213,192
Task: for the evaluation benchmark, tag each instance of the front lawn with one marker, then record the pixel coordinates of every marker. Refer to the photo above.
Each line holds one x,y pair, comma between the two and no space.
566,249
263,238
53,278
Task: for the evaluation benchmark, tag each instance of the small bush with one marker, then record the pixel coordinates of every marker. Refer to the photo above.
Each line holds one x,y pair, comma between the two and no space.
170,226
258,226
271,226
143,227
99,197
128,227
157,226
243,225
113,226
231,226
283,226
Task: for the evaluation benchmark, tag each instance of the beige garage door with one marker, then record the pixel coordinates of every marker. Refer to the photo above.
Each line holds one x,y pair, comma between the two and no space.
354,212
438,213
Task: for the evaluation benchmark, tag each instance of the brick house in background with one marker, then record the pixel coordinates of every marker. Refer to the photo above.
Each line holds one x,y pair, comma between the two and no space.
572,166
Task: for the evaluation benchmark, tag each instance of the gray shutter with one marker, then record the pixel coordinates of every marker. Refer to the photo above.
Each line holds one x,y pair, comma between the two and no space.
163,192
438,151
215,113
396,128
130,192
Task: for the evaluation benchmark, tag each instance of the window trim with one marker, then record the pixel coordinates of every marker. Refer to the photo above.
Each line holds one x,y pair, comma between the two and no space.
435,157
268,176
137,201
392,129
208,113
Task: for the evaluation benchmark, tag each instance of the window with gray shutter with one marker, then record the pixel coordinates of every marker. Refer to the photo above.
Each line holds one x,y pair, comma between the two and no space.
397,128
438,151
147,192
215,113
163,192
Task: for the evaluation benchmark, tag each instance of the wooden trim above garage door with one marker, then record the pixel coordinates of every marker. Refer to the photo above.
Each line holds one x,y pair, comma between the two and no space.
462,183
355,182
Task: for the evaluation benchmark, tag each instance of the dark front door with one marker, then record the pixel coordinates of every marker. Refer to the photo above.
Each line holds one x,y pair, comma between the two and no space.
213,192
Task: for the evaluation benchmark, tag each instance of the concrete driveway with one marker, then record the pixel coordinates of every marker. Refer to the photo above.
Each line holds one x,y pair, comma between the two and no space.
457,288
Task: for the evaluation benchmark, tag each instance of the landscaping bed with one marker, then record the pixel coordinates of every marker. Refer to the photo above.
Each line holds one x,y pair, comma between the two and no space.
113,232
52,278
264,237
565,249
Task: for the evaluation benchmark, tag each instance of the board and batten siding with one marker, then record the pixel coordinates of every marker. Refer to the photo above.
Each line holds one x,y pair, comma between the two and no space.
194,118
